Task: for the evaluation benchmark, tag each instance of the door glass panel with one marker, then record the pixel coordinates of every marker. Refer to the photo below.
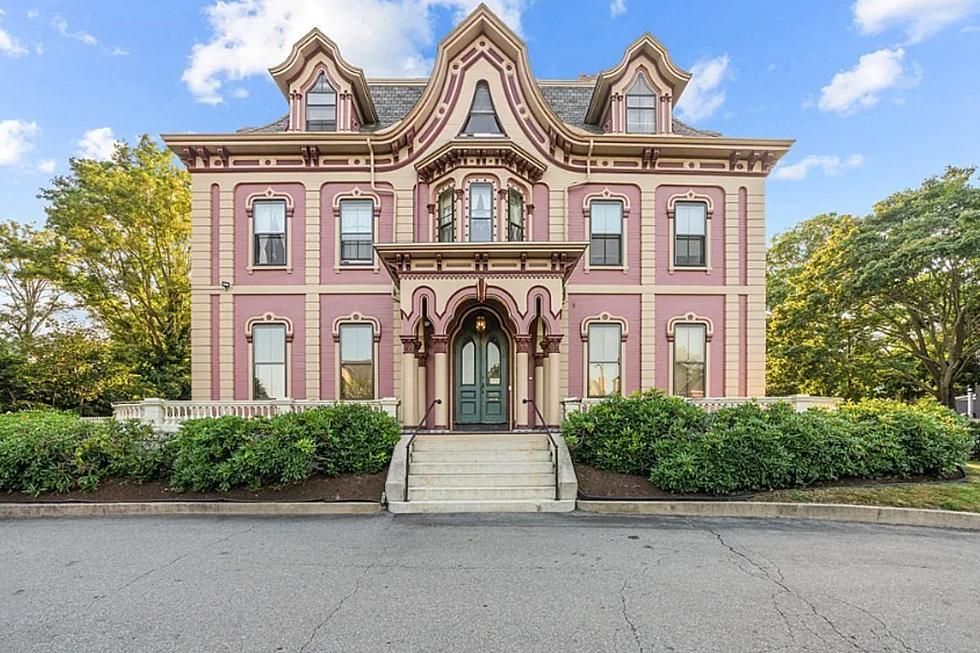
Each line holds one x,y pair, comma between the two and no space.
493,364
469,366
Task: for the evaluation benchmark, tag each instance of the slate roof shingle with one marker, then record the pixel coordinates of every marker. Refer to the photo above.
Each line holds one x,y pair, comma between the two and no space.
393,101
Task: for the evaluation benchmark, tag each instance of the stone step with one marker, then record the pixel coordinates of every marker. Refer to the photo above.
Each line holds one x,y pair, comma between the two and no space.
479,493
471,455
519,505
483,468
481,480
462,443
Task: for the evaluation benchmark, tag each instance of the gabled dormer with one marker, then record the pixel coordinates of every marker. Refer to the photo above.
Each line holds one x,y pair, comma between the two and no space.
325,93
637,96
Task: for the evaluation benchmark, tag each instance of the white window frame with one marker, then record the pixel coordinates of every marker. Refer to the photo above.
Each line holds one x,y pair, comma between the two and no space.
694,198
269,319
683,320
362,263
604,196
306,103
601,319
357,318
655,108
269,195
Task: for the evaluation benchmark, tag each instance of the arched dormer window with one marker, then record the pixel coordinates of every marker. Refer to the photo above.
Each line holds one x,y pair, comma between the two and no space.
321,106
641,108
482,119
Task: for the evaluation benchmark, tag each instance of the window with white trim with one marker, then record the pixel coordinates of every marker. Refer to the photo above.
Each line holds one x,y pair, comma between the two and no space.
481,213
606,233
690,356
515,215
356,232
269,361
321,106
446,218
605,359
269,232
641,108
482,119
690,232
356,361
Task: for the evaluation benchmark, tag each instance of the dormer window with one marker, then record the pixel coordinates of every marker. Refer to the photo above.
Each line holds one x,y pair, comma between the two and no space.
321,106
641,108
482,119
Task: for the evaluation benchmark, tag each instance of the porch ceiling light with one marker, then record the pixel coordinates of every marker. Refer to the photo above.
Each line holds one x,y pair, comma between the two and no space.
481,324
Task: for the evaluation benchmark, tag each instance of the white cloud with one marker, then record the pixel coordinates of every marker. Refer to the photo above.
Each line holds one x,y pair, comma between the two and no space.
16,140
9,45
98,144
119,52
919,18
861,87
240,92
46,166
829,164
703,97
33,13
617,7
249,36
61,25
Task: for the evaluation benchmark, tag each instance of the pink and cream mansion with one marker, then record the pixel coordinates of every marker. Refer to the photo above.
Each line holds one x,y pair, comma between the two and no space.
480,237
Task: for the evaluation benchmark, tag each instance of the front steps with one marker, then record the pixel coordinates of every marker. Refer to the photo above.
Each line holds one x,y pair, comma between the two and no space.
478,472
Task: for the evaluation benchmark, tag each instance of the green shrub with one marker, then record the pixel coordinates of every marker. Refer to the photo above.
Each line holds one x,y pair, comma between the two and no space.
620,433
47,451
221,453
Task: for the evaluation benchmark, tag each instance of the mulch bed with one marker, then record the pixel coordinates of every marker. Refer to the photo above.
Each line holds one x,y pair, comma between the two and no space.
315,488
599,483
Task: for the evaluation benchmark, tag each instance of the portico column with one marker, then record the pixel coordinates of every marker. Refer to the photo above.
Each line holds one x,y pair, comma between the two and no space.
440,347
422,402
553,379
409,376
524,346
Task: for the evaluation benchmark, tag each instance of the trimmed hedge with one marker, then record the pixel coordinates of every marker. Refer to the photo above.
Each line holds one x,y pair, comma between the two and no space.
748,448
43,451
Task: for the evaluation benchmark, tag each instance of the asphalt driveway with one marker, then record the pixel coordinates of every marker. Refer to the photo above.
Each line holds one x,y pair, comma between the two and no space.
484,583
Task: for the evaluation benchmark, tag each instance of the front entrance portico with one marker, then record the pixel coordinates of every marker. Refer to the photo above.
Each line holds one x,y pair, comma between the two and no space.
518,289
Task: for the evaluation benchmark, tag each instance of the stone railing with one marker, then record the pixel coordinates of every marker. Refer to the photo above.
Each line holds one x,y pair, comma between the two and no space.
799,403
167,415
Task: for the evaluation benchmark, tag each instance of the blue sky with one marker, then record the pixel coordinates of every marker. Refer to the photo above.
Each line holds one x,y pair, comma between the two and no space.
878,94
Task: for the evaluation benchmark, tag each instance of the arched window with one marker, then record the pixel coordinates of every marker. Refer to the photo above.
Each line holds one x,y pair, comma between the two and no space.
446,220
641,108
690,359
321,106
482,119
515,215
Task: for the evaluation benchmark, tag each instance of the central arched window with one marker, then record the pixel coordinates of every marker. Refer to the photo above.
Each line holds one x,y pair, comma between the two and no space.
641,108
482,119
321,106
481,213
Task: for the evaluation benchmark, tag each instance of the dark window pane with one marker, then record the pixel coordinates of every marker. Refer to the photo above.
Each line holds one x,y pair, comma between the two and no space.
270,249
482,118
689,251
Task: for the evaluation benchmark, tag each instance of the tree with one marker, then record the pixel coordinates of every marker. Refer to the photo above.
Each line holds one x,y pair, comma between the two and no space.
29,302
916,270
122,228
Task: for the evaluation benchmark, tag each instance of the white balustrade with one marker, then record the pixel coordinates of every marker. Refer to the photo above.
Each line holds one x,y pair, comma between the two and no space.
799,403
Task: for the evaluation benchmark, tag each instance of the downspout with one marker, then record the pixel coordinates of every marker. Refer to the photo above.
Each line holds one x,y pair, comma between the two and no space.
371,150
588,161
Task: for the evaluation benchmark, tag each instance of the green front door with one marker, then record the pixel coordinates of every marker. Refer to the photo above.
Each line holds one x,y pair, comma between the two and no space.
481,372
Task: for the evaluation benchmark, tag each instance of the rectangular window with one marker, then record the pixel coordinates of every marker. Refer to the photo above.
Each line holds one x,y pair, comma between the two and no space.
446,226
269,229
690,345
515,215
481,213
690,230
605,364
606,238
356,361
269,361
356,232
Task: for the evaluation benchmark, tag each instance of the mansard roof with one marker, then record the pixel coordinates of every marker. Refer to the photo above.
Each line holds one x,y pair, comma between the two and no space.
569,99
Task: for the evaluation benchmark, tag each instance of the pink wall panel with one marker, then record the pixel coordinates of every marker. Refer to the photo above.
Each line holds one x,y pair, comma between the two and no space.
542,204
329,224
581,306
377,306
709,306
215,347
577,232
716,277
296,231
288,306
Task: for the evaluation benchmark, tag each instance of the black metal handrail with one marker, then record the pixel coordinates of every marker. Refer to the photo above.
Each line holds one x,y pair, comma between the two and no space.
411,440
552,442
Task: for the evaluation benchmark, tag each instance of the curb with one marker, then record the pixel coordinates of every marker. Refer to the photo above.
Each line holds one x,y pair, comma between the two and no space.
35,510
820,511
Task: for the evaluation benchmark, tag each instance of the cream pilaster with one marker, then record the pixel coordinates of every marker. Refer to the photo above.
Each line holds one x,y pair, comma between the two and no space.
439,347
409,378
226,308
421,400
648,277
521,379
312,312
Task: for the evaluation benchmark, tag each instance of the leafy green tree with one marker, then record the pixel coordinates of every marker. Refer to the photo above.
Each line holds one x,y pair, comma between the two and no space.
12,385
123,228
916,263
29,301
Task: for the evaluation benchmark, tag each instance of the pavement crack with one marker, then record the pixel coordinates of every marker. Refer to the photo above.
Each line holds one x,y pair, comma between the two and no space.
626,616
336,608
